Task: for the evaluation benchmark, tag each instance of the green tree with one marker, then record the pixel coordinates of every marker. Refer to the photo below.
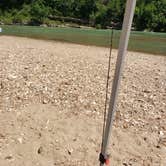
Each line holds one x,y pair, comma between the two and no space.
157,16
110,14
39,12
149,14
83,8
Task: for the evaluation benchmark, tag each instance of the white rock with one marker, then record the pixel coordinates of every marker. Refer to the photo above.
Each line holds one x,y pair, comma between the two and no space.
11,77
20,140
161,133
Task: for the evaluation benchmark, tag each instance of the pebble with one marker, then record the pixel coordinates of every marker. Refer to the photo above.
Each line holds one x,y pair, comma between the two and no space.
70,151
40,150
20,140
45,101
11,77
161,133
9,157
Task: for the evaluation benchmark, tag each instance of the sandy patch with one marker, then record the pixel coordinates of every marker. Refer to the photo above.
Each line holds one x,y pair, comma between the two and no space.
52,101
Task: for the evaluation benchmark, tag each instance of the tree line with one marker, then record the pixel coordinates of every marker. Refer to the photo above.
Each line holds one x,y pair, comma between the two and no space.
150,15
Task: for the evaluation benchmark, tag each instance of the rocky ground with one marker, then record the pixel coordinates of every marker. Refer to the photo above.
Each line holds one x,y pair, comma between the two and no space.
52,101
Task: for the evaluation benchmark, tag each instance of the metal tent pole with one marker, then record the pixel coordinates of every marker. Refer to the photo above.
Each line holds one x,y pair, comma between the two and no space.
127,22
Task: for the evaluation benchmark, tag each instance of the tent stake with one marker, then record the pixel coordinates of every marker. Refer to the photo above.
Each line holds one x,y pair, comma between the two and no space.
127,23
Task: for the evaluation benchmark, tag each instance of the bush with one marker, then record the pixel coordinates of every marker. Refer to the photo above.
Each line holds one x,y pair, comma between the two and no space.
7,21
7,18
18,19
98,26
39,12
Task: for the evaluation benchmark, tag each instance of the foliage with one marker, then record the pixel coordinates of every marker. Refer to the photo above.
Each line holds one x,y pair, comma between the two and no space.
39,12
149,14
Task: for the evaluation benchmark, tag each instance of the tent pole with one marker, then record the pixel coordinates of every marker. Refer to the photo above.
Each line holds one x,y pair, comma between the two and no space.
127,23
